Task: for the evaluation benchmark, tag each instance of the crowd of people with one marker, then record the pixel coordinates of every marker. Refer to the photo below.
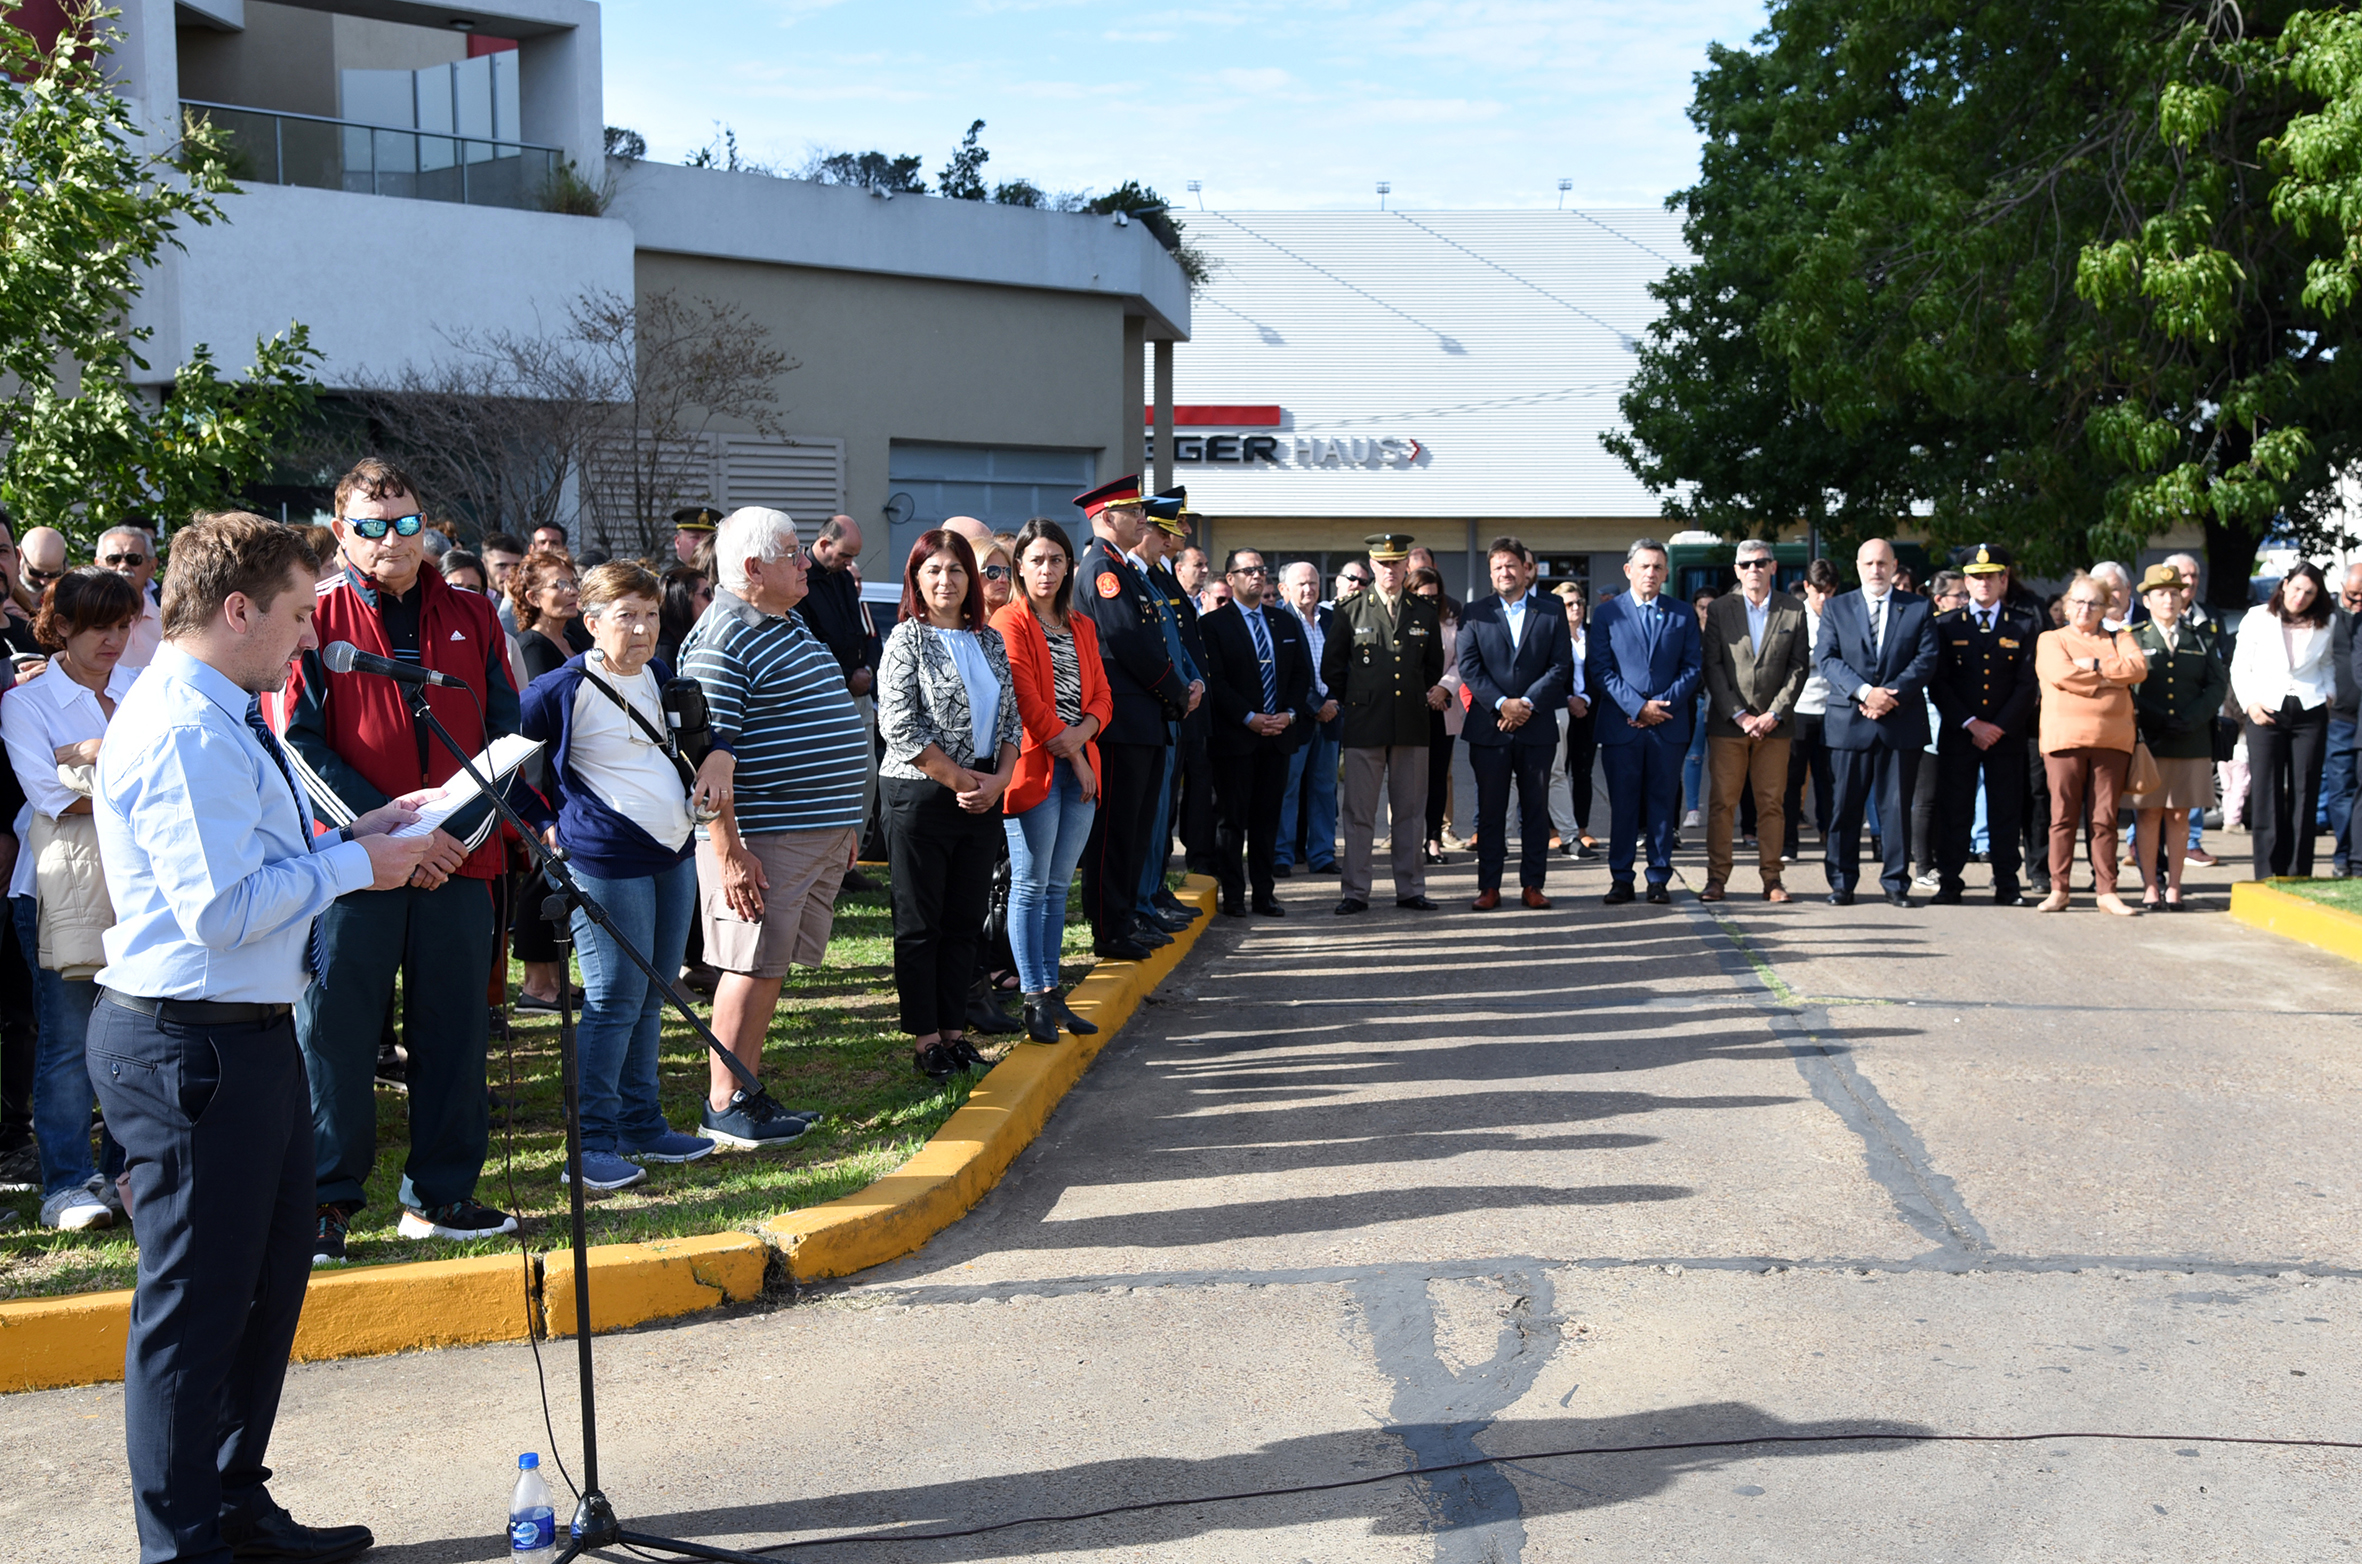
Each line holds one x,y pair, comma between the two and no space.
721,733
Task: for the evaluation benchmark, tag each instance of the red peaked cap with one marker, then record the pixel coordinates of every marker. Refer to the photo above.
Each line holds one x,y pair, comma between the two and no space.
1124,491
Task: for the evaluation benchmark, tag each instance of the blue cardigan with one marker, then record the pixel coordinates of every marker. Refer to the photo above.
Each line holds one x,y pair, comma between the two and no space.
598,840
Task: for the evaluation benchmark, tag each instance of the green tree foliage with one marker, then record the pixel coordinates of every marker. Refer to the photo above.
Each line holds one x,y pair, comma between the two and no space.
962,179
88,211
868,170
2063,274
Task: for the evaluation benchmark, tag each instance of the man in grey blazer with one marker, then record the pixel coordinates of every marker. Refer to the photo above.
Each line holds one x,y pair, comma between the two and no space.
1756,650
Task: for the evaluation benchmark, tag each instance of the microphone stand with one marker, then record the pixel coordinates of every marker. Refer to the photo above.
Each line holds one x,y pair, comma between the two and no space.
595,1524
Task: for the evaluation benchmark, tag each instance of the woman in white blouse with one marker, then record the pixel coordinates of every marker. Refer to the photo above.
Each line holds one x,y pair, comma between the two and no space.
2282,679
59,720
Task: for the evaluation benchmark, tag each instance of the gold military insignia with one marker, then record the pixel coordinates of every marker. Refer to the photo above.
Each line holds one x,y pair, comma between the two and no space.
2011,644
1984,555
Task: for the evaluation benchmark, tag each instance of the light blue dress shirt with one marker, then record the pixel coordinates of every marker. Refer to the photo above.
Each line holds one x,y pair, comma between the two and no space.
215,872
1758,619
1514,615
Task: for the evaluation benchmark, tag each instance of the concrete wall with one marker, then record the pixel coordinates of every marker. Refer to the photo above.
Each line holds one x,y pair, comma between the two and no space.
883,358
379,281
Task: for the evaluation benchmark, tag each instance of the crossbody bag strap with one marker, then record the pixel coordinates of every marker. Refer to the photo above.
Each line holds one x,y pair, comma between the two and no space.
662,740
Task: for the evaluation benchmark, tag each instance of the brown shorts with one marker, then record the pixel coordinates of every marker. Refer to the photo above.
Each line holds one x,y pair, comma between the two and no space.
804,868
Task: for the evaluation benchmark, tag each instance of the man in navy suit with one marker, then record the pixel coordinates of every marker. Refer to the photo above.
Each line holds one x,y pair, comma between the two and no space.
1517,661
1877,651
1259,683
1644,665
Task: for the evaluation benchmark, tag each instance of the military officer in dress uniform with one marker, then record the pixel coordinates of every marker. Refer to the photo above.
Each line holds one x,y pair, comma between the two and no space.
693,527
1149,693
1189,786
1383,663
1986,694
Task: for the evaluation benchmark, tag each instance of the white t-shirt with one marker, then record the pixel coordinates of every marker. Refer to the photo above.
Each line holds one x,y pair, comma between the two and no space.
621,765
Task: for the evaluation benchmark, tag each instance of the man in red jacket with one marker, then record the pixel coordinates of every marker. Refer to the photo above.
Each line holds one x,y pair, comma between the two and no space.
355,734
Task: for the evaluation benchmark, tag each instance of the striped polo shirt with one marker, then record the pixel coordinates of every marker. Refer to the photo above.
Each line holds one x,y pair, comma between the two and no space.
778,700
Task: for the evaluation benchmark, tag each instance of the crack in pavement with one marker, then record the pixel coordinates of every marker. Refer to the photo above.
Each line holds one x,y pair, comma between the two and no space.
1438,1414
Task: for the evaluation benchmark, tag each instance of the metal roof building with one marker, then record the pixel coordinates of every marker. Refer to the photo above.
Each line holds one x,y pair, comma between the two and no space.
1446,374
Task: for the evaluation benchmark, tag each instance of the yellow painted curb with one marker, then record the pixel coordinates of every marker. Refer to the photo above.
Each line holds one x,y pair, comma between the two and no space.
49,1343
634,1283
962,1161
2259,904
78,1340
373,1309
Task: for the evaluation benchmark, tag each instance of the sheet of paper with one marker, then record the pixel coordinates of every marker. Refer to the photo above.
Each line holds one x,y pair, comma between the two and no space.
497,761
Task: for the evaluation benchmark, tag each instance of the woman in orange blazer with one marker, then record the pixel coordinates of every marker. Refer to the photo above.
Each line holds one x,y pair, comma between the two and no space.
1063,701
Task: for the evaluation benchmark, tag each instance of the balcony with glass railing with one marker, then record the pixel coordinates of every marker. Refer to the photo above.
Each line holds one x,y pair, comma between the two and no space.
270,148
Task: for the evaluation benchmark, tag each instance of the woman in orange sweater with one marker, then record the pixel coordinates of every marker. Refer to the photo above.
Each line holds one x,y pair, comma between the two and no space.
1063,702
2087,677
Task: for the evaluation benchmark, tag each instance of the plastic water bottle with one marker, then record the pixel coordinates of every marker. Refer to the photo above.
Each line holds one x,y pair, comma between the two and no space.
532,1523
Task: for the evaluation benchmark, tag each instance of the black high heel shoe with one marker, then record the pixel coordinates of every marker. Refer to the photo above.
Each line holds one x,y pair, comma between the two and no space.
1074,1023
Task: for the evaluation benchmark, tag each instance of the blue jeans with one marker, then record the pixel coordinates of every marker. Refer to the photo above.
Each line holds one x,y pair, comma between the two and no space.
2337,786
61,1072
1319,758
1045,843
622,1012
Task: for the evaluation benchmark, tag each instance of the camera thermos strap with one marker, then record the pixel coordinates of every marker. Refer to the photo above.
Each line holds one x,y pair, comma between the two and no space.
656,736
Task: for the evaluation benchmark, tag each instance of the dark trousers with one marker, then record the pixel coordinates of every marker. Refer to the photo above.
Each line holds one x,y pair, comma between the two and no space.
1496,767
1582,754
1194,782
20,1034
441,943
1960,765
1643,792
2284,762
1891,775
1130,779
1808,756
1439,775
216,1127
1247,791
2034,821
942,858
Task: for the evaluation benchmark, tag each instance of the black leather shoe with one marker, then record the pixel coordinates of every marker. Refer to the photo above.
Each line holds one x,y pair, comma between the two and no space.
1232,907
275,1535
1280,871
1149,932
1949,896
1619,893
1121,950
1414,904
1351,905
969,1058
937,1063
1173,906
2010,897
855,883
1897,899
1269,908
1074,1023
1841,898
986,1015
1659,896
1041,1018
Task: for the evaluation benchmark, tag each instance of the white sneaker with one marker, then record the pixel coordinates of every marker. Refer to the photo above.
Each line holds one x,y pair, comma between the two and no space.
77,1210
1691,821
1928,881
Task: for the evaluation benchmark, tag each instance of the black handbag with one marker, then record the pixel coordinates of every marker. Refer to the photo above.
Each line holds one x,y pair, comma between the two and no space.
2225,734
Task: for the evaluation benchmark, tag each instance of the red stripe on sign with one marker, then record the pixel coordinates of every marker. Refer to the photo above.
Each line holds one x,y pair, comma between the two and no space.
1225,417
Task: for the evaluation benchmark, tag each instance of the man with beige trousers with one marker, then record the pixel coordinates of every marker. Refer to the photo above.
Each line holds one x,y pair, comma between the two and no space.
1756,648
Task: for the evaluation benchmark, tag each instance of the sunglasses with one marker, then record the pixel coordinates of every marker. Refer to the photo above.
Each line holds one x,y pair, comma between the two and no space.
996,572
42,577
1755,564
116,559
1250,570
374,527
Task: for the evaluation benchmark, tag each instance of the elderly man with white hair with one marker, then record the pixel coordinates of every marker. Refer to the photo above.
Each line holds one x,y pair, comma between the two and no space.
130,552
787,766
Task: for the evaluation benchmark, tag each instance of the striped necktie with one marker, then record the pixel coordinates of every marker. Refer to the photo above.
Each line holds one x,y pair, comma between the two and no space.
1262,634
315,945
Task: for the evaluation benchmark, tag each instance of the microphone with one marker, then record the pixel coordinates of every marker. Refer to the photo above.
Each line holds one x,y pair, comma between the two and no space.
345,657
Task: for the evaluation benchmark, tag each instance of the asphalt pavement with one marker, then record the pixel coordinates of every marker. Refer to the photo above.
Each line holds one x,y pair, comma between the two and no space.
1356,1195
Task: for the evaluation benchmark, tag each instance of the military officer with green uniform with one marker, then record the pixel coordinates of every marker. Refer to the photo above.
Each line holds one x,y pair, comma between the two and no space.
1383,664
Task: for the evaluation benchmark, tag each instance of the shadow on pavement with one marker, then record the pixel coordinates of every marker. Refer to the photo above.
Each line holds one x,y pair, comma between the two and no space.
1395,1508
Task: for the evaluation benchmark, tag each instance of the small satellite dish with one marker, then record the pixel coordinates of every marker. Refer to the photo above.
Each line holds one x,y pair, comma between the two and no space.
900,508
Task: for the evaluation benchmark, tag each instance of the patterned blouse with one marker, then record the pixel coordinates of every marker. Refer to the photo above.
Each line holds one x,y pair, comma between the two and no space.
1066,675
922,699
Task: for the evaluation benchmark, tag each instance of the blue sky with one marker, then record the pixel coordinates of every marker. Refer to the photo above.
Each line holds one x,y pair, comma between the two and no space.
1457,103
